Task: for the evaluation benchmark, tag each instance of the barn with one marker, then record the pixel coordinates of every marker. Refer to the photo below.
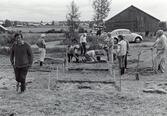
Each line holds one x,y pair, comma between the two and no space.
134,19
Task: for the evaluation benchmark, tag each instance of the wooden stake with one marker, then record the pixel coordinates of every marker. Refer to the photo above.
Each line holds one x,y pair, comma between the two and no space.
120,83
57,73
49,80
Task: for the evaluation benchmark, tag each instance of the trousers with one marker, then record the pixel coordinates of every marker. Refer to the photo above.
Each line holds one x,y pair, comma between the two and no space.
20,74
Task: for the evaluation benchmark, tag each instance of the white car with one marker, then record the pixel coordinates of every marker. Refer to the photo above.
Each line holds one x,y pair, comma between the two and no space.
131,37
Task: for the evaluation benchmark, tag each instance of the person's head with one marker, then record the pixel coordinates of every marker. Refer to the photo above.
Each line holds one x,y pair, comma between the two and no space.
108,34
105,48
18,38
43,35
84,34
159,33
120,37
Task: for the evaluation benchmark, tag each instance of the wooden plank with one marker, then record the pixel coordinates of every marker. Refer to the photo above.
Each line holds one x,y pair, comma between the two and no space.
84,81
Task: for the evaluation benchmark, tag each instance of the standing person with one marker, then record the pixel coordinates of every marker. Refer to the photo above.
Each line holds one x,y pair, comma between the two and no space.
42,48
121,52
161,49
126,56
98,33
21,59
83,43
109,43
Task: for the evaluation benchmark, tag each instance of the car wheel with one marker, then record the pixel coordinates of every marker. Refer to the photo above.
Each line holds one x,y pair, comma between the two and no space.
138,40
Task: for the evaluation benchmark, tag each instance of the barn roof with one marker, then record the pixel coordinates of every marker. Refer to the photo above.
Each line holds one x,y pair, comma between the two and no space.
3,28
133,7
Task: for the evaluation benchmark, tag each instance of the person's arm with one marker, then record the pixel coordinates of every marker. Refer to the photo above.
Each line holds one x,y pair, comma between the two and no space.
12,55
127,46
44,43
30,54
80,40
155,43
94,55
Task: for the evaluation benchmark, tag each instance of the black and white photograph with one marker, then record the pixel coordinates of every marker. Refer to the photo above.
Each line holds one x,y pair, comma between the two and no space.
83,58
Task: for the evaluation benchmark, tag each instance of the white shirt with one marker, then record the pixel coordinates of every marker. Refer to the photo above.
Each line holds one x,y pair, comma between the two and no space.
122,48
91,53
83,39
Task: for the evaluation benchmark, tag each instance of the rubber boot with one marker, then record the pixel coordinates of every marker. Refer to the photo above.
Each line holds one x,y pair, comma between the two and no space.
23,87
17,86
41,63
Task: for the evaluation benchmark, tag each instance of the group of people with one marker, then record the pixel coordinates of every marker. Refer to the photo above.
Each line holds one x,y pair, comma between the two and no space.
21,55
120,49
74,50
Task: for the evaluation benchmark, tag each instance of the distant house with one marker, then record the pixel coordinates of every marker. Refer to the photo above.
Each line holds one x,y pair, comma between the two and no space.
1,22
3,29
134,19
19,25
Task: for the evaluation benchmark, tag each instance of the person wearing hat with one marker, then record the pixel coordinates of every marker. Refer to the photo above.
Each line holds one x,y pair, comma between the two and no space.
83,43
21,58
121,52
42,48
161,48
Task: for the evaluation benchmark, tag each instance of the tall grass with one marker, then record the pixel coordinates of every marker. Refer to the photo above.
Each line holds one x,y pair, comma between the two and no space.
33,37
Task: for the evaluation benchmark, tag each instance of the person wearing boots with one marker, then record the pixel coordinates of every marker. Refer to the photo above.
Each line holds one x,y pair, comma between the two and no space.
42,48
21,58
121,52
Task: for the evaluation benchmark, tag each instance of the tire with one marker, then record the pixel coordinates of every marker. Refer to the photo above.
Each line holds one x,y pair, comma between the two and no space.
138,40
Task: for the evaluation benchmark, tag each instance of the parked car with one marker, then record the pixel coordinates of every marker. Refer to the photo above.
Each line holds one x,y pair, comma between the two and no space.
131,37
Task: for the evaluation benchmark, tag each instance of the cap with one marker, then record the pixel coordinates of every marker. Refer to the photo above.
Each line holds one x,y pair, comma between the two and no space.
43,35
120,36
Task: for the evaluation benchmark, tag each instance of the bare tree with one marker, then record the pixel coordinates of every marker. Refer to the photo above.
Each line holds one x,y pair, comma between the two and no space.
101,8
73,18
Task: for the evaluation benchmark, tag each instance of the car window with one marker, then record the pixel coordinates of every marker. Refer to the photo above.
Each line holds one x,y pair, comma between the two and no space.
120,32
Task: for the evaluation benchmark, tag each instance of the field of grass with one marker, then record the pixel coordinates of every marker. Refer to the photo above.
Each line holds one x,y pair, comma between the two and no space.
33,37
36,29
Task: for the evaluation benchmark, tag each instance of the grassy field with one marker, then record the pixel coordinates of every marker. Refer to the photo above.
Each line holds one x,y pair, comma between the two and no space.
84,99
36,29
33,37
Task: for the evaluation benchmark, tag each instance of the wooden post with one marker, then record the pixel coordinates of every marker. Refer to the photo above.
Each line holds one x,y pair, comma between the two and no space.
120,82
111,58
49,79
57,72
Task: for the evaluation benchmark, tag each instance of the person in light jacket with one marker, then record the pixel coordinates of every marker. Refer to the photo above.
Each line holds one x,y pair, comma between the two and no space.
121,53
42,48
161,50
83,43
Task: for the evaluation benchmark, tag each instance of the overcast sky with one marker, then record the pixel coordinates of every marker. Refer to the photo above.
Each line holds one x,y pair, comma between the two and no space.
48,10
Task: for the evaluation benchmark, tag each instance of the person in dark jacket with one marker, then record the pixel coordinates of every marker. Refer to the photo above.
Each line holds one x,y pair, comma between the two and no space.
21,58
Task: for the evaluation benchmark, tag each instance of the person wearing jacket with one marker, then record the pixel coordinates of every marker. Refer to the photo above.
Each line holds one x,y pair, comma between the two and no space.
42,48
21,58
161,50
121,53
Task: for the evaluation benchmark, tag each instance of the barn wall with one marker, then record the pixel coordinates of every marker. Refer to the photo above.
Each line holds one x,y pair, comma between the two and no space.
133,19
